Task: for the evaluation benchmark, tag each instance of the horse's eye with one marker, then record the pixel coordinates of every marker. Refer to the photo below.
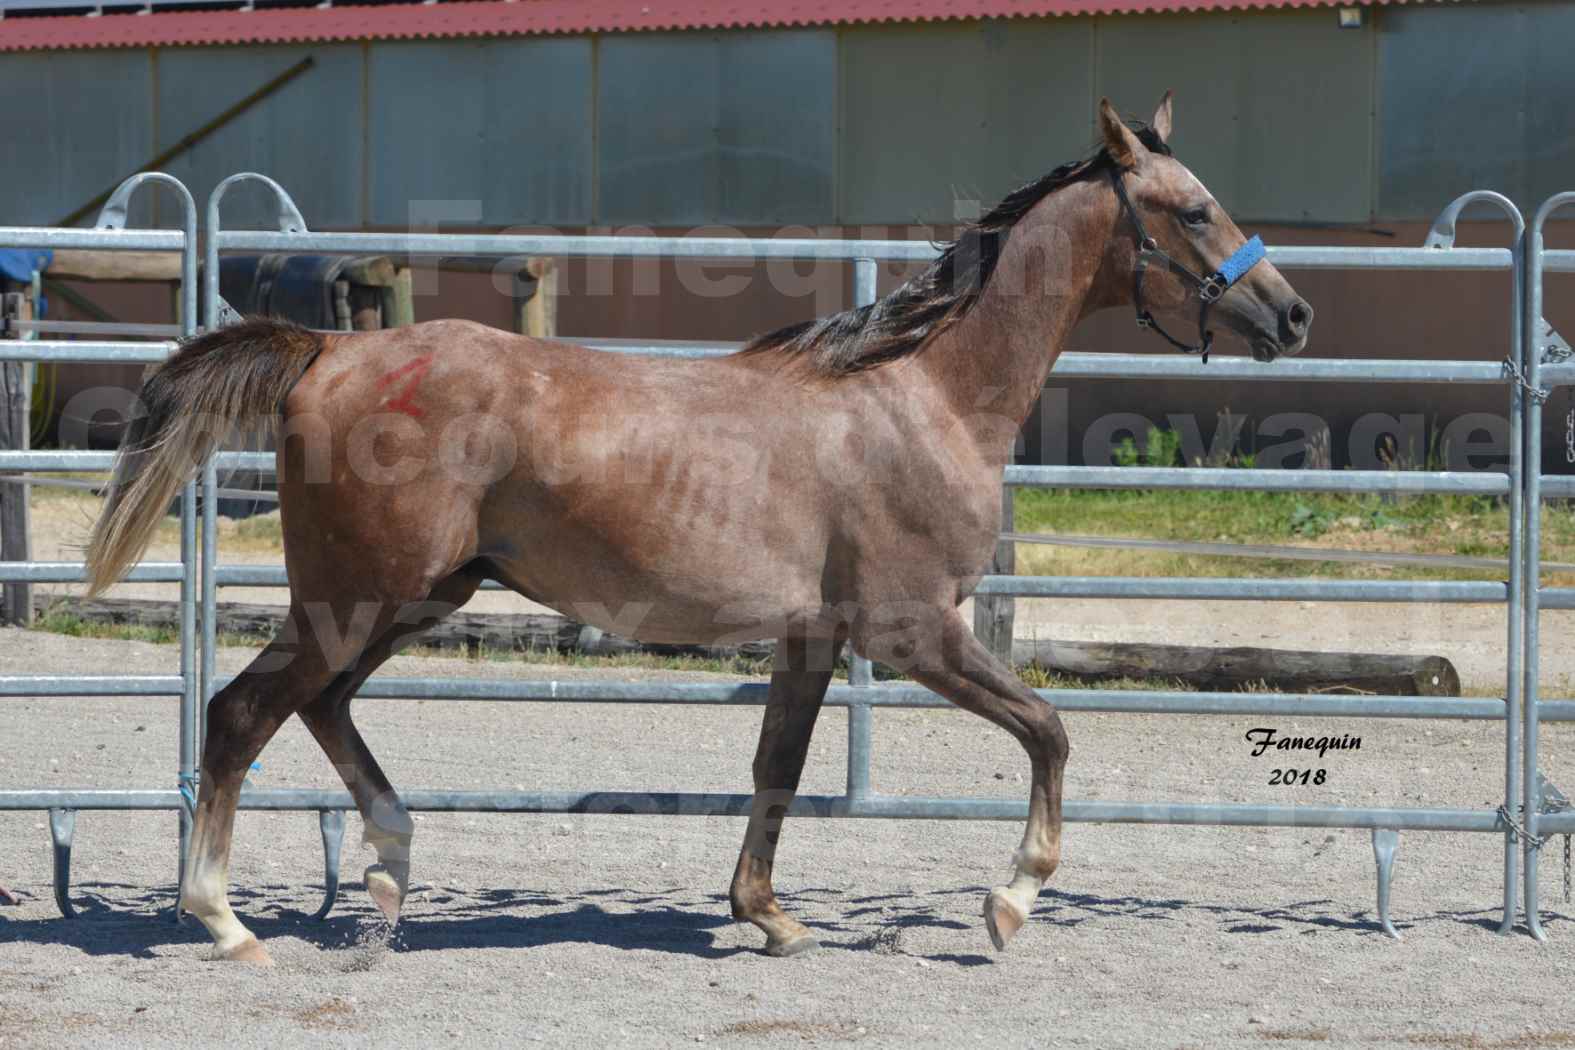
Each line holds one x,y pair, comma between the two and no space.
1196,216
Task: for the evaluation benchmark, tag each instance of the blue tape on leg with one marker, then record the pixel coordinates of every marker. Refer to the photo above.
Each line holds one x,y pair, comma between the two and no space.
1242,260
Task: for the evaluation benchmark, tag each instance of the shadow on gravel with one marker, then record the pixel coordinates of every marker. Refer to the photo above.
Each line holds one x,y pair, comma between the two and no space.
1308,917
118,919
663,928
134,924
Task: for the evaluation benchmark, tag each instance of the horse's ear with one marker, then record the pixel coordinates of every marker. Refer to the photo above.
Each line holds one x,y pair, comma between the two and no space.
1123,146
1161,122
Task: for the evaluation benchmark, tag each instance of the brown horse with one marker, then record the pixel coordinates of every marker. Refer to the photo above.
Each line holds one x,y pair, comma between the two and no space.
680,500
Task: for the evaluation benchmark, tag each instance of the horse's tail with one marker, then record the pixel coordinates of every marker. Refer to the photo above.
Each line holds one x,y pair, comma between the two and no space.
211,384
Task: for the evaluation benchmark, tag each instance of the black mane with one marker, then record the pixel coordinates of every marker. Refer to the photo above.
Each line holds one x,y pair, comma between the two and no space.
903,322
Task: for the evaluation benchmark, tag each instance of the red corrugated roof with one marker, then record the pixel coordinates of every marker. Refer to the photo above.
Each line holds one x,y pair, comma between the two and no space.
474,18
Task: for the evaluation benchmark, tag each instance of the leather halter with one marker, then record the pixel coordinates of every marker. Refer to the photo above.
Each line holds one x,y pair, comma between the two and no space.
1210,289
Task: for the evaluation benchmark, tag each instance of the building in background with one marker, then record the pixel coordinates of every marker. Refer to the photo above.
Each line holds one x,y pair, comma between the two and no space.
1312,123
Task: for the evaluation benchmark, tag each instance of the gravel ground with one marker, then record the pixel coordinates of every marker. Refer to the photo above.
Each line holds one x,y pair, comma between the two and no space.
614,931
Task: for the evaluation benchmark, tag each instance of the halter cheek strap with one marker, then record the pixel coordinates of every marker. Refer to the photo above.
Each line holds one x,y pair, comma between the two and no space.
1210,289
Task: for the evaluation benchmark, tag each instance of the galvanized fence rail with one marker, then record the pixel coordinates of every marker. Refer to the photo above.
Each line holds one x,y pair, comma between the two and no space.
861,696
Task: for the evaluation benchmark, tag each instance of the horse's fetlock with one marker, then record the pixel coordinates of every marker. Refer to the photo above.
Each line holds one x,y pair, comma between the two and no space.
750,901
389,844
1040,862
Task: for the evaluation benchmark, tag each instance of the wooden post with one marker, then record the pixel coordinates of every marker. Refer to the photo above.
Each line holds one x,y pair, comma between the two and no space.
15,432
402,310
993,614
536,299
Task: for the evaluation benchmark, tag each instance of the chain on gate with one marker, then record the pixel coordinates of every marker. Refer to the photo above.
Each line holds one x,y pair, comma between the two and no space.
1569,427
1517,832
1554,350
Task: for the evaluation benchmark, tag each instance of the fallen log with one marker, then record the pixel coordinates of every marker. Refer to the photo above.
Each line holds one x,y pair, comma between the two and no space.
1213,669
1224,670
470,632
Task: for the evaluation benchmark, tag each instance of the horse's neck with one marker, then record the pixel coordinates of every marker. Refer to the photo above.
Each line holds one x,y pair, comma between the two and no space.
992,365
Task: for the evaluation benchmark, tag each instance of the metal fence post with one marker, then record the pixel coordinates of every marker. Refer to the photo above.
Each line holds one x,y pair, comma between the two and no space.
860,672
1515,611
113,217
1531,325
1442,235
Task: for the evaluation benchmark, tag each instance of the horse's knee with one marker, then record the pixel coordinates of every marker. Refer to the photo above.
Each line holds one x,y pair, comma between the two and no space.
1059,745
1048,738
232,725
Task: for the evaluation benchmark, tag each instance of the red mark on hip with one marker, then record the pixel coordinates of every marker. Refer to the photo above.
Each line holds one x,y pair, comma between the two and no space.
412,373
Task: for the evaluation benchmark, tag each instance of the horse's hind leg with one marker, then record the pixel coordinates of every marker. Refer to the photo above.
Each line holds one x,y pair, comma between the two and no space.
386,824
242,718
797,688
964,672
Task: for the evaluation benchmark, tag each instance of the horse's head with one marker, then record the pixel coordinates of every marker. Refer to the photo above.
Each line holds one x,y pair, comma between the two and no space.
1187,260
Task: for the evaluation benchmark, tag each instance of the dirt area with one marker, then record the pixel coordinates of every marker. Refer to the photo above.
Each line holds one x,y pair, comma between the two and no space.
614,931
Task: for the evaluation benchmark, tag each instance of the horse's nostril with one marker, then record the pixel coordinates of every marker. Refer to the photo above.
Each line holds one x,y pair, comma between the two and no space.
1299,316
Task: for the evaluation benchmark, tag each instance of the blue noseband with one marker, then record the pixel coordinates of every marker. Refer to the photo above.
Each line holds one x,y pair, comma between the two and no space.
1242,260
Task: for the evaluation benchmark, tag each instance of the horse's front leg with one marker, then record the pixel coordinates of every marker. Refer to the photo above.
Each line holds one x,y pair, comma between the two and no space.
242,718
797,688
953,663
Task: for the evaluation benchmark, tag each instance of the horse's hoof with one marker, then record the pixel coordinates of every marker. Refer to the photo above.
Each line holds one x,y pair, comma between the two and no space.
386,892
793,946
1002,917
248,951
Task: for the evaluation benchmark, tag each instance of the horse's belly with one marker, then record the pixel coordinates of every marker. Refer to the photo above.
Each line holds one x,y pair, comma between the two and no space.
675,603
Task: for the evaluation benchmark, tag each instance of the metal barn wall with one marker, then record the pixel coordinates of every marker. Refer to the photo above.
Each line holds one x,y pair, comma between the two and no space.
698,128
504,127
308,135
1243,122
1475,95
74,124
859,125
937,114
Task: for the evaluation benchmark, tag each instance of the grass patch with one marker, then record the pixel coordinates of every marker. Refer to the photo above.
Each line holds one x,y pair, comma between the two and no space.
75,626
260,532
1261,517
1471,526
735,665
